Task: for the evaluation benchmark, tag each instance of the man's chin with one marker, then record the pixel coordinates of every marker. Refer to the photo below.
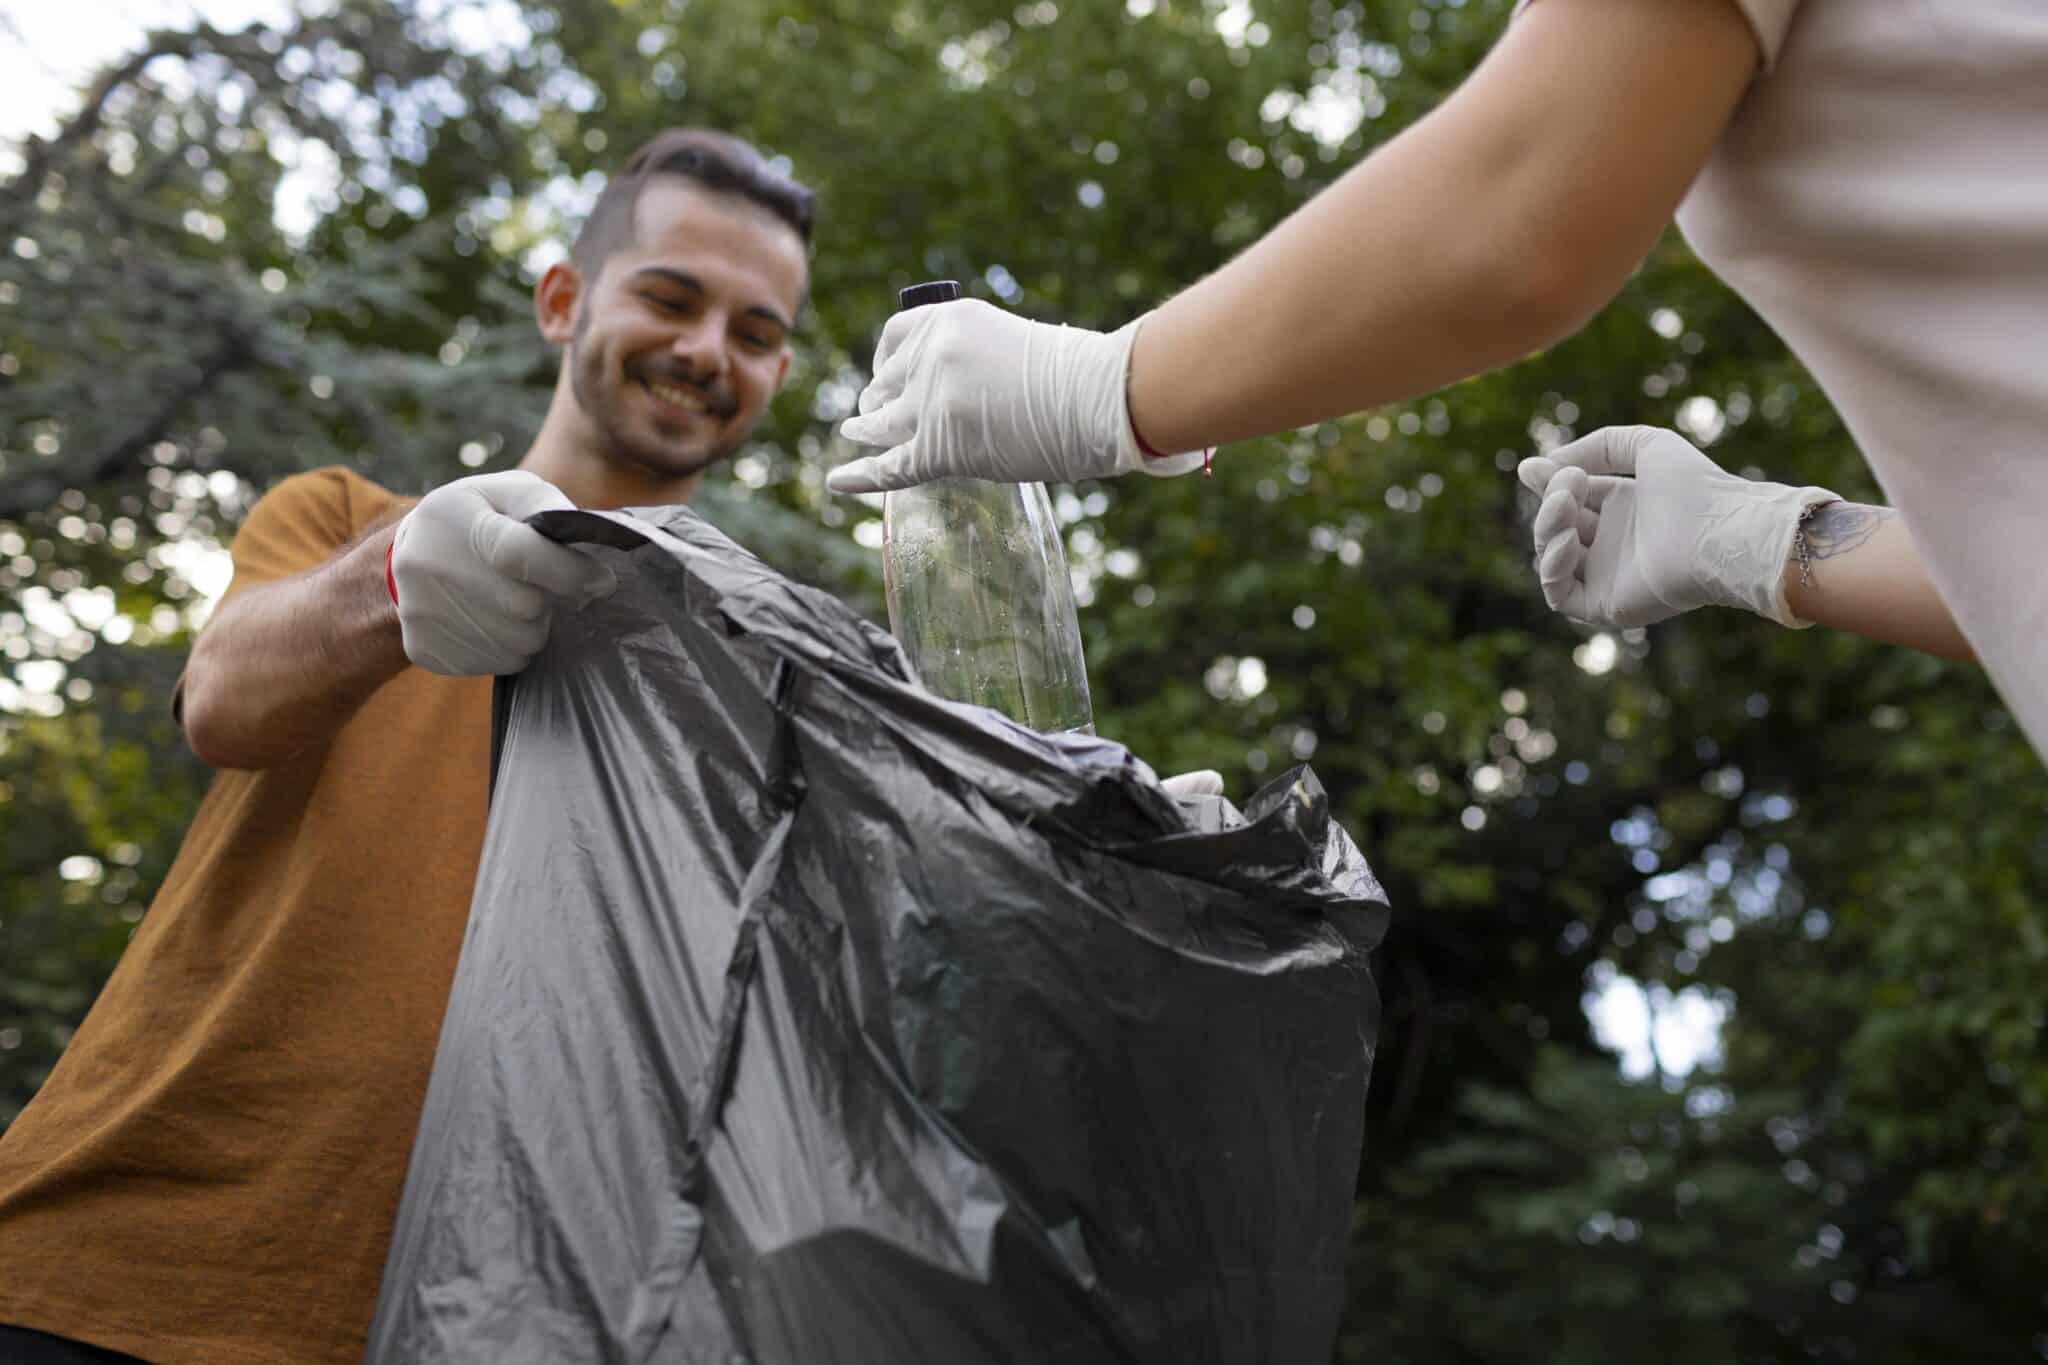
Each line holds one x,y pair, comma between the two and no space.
667,463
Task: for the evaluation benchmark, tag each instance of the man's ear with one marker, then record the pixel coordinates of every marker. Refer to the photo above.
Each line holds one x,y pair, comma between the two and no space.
554,302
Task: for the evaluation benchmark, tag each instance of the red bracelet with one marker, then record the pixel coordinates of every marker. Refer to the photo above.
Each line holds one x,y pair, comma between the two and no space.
390,578
1145,446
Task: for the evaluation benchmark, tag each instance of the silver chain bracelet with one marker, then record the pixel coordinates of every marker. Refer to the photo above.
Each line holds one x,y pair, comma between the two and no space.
1800,550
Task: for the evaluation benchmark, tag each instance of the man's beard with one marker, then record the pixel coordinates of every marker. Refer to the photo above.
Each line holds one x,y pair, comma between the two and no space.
607,412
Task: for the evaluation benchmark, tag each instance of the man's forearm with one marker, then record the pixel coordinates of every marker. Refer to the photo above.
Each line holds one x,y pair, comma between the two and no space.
1861,572
1491,228
283,665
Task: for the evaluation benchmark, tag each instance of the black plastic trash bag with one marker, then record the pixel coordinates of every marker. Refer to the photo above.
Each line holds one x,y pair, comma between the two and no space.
807,1018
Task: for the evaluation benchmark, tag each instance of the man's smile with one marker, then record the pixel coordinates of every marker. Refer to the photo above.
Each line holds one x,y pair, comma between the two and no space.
676,396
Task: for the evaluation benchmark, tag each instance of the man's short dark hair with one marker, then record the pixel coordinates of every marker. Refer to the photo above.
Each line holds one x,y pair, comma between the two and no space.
717,161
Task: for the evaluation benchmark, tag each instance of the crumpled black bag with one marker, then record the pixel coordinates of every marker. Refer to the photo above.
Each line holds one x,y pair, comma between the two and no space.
804,1018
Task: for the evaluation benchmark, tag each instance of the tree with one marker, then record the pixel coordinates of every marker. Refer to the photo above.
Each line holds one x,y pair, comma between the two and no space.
1840,842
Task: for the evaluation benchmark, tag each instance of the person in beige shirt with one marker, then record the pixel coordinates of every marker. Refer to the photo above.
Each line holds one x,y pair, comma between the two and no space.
1866,174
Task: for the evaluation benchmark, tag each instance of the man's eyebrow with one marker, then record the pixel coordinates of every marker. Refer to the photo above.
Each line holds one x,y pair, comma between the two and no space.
689,281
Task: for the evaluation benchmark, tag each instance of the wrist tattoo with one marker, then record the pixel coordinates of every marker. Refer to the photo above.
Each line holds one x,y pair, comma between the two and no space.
1829,529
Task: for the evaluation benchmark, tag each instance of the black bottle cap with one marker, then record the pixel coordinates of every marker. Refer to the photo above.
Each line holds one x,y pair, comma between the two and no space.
933,291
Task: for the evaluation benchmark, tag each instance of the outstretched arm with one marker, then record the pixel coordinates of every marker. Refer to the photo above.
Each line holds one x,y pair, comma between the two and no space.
1637,526
1491,228
467,590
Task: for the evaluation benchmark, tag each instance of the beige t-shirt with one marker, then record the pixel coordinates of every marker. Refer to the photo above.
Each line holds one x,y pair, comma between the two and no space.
1881,199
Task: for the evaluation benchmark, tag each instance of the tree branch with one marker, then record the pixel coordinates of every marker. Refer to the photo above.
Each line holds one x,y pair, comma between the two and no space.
38,488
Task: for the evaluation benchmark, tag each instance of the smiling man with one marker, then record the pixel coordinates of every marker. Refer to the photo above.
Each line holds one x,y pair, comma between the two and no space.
210,1174
676,308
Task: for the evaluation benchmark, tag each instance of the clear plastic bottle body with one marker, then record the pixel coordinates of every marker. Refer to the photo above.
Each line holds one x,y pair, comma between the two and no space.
980,599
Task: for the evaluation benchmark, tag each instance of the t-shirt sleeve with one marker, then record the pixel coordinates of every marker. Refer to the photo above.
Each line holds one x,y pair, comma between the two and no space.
1769,19
296,526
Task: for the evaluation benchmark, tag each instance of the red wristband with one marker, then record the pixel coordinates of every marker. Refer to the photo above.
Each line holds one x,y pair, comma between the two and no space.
1145,446
390,578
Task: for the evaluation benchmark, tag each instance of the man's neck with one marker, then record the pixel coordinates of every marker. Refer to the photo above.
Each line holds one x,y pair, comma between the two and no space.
568,453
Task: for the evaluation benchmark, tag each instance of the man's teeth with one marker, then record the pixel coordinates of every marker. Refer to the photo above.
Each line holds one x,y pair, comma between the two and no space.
682,398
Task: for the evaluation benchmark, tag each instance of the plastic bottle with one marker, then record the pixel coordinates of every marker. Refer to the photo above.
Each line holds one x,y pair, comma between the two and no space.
979,594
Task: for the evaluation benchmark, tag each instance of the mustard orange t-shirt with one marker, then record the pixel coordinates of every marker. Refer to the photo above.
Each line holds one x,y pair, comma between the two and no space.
210,1174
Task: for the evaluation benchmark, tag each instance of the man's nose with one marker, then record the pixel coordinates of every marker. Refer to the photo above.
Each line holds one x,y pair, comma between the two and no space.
700,345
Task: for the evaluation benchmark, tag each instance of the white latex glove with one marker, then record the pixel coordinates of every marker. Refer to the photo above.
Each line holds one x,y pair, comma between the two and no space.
1637,526
475,585
1190,786
966,390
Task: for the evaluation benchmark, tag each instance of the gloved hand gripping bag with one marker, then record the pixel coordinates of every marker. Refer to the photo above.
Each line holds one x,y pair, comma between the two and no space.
804,1017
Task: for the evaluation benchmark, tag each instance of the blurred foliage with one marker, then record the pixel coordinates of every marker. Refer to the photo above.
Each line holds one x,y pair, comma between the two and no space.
257,252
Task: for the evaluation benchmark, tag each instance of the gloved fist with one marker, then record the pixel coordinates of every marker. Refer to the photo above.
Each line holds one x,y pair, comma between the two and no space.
475,585
1637,526
966,390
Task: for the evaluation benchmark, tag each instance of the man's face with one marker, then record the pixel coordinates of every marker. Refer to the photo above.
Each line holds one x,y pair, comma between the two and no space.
684,337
